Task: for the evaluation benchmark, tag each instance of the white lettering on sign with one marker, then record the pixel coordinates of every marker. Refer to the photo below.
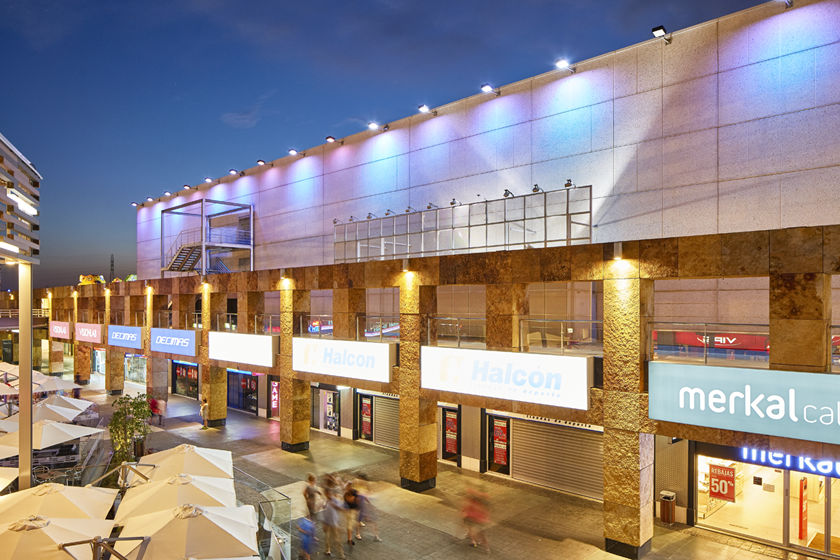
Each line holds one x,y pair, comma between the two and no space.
59,329
173,341
131,337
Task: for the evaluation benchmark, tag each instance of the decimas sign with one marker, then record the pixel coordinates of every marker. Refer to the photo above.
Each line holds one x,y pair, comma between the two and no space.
451,431
722,483
500,442
367,426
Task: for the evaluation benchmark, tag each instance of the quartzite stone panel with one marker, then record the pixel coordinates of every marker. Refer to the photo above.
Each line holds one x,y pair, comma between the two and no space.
700,256
796,250
587,262
626,303
81,365
659,258
831,249
800,296
745,254
629,487
629,525
799,345
556,264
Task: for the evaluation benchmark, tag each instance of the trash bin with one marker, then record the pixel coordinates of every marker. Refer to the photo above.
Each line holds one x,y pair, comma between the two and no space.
667,506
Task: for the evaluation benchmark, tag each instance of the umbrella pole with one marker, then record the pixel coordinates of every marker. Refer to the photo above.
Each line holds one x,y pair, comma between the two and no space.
98,544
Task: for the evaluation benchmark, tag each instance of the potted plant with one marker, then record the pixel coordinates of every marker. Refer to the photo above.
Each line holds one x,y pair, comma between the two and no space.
129,427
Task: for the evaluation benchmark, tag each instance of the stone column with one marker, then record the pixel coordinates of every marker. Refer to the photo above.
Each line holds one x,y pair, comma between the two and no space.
348,305
800,302
81,365
56,357
248,306
115,376
157,369
628,453
183,306
213,379
38,336
418,421
294,391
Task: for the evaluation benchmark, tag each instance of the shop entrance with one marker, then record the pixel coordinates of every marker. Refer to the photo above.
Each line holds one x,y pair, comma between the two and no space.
185,379
325,410
773,497
135,368
242,390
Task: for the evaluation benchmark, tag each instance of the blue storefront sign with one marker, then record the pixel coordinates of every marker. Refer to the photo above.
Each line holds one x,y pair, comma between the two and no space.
791,404
173,341
126,337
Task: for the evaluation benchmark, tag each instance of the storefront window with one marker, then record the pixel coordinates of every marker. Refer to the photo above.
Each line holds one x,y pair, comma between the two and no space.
807,510
98,361
135,368
185,379
242,390
498,454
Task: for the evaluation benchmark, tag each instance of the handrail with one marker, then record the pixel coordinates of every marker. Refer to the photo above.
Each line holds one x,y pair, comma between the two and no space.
566,338
380,333
231,320
321,330
260,321
459,325
707,330
13,313
192,236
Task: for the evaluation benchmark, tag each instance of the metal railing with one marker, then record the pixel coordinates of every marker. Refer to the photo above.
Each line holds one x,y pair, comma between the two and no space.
193,321
14,313
718,344
223,235
458,332
139,319
562,336
385,328
316,326
118,318
275,517
226,322
267,324
163,320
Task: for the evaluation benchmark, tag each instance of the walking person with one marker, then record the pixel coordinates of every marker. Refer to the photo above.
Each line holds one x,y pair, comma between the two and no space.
154,406
330,520
351,512
311,494
367,514
306,526
205,412
476,517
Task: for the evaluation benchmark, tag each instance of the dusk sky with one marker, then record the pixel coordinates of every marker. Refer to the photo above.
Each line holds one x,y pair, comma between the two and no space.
116,101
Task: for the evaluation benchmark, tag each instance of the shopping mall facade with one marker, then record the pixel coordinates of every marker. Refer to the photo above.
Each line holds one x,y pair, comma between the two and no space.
651,309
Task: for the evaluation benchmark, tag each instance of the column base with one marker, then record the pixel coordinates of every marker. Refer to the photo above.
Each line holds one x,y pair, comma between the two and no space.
294,447
115,392
81,381
216,423
415,486
55,373
626,550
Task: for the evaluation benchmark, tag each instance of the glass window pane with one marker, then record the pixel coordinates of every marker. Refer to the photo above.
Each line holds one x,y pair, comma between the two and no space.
579,200
338,252
339,233
478,236
460,216
495,211
444,218
350,232
478,214
415,243
445,240
555,227
350,251
415,222
363,250
375,228
555,203
430,220
516,232
534,231
400,244
514,208
401,225
461,238
388,247
362,230
496,235
374,248
387,227
535,206
430,242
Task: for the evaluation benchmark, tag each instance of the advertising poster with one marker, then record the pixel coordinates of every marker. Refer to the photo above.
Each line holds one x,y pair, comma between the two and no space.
451,431
500,442
367,425
275,398
803,508
722,483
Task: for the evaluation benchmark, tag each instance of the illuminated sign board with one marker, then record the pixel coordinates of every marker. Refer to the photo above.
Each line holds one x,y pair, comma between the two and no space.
518,376
60,329
127,337
172,341
253,349
88,332
369,361
789,404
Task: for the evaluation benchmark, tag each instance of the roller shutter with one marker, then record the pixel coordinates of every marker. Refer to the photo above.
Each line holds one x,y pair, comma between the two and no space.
386,422
567,459
315,411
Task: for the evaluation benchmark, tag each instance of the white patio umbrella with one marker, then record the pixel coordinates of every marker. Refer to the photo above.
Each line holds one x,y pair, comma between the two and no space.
39,537
191,531
6,390
176,491
7,476
67,402
42,411
56,384
187,459
45,433
9,426
57,500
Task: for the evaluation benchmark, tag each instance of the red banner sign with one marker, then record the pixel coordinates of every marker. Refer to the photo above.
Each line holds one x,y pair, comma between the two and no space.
500,442
367,425
451,431
803,508
722,483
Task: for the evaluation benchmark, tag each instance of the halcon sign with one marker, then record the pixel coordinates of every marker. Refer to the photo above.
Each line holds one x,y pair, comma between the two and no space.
370,361
60,329
775,403
126,337
254,349
173,341
535,378
87,332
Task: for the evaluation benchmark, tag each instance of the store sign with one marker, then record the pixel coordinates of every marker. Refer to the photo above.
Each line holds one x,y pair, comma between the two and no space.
500,441
789,404
60,329
369,361
172,341
790,462
722,483
275,397
535,378
253,349
126,337
88,332
451,431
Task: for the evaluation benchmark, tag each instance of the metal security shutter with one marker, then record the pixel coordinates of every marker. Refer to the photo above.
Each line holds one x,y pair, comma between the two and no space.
567,459
315,412
386,422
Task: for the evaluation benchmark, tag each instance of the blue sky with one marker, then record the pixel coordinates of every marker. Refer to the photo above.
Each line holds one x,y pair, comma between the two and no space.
114,101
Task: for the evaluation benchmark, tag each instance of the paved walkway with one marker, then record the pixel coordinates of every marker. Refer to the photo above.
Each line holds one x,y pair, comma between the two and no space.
527,521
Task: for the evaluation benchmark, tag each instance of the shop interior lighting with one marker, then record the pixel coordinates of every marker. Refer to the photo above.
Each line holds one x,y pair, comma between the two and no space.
232,171
405,265
150,199
24,206
425,109
431,205
409,209
371,216
134,204
659,32
260,162
618,251
536,189
167,193
509,194
454,202
208,180
487,88
9,247
563,64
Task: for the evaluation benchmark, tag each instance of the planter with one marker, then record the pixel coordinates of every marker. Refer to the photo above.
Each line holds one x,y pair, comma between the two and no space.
139,448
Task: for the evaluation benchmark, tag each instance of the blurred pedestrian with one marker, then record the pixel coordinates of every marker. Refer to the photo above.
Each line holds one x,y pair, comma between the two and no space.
330,519
307,536
367,512
476,516
205,412
311,495
351,512
154,406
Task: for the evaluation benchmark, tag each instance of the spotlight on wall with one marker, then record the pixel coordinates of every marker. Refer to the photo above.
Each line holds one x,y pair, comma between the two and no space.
233,172
425,109
659,32
568,183
487,88
371,216
134,204
405,265
454,202
430,205
618,251
331,140
536,189
241,173
187,187
509,194
353,218
409,209
150,199
260,162
208,180
282,274
167,193
376,126
336,221
389,213
293,152
563,64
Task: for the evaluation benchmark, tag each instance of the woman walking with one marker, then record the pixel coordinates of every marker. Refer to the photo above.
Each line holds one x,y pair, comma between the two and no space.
205,412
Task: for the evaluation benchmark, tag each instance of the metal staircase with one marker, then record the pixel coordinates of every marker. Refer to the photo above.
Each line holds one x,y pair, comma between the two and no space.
186,258
185,253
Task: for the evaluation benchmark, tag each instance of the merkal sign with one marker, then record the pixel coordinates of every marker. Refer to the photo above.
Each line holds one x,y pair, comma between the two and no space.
518,376
776,403
173,341
369,361
784,461
125,337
